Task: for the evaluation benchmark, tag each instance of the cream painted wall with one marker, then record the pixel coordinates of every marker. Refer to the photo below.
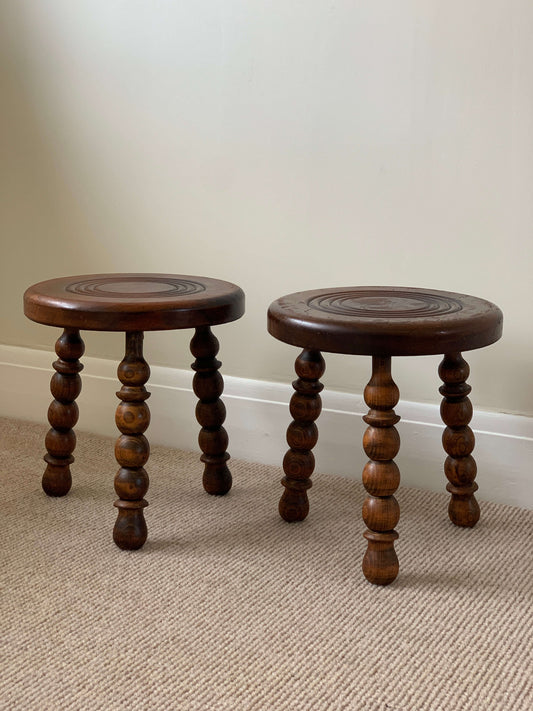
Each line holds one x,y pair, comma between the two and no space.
280,145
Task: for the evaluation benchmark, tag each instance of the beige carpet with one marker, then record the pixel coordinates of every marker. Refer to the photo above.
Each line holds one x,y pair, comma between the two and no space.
228,607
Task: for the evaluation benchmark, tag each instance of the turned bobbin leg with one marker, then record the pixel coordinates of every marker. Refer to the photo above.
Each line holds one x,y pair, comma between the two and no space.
302,435
458,440
63,413
381,476
208,386
132,449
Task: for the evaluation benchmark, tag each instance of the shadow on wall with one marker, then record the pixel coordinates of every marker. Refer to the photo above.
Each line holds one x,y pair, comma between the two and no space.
36,193
46,202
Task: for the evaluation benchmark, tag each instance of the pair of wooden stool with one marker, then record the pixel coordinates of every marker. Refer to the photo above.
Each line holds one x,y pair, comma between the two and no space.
377,321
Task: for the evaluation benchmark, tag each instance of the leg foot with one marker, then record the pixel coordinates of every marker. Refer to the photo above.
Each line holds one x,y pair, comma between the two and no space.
132,449
458,441
381,476
63,413
302,435
380,562
208,386
130,531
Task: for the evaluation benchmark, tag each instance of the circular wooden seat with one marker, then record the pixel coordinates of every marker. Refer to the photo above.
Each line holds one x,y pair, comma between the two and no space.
395,321
133,302
382,322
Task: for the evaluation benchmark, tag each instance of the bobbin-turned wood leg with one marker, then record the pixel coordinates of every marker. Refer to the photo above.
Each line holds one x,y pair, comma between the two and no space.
302,435
458,440
132,449
208,386
381,476
63,413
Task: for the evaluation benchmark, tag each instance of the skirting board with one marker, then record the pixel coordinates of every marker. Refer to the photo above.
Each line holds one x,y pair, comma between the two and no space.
258,416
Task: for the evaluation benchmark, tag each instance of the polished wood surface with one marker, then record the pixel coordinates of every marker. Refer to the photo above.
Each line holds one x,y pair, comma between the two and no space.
132,449
63,413
208,386
302,435
133,302
458,440
383,322
381,476
370,320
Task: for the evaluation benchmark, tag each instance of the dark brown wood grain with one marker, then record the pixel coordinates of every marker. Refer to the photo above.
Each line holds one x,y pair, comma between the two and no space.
133,303
132,449
381,476
370,320
208,386
63,413
458,440
302,435
384,322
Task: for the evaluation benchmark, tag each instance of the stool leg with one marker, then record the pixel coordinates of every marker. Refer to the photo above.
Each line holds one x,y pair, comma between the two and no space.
208,386
132,449
458,440
381,476
302,435
63,413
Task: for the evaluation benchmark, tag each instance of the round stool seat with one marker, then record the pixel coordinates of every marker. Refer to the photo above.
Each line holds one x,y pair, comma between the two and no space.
389,321
133,302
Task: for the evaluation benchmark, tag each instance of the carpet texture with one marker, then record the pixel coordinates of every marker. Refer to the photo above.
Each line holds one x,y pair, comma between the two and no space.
229,607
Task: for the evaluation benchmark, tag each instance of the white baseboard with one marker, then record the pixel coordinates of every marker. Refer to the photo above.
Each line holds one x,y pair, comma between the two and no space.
258,417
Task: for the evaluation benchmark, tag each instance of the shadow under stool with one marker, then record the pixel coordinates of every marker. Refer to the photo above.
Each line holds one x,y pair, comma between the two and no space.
134,303
382,322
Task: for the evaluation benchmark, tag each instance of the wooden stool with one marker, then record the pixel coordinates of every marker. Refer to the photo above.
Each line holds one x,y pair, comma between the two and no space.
382,322
134,303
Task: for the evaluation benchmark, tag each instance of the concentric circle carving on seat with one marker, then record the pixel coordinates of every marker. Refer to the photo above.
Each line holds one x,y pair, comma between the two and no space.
384,320
387,304
133,302
133,288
